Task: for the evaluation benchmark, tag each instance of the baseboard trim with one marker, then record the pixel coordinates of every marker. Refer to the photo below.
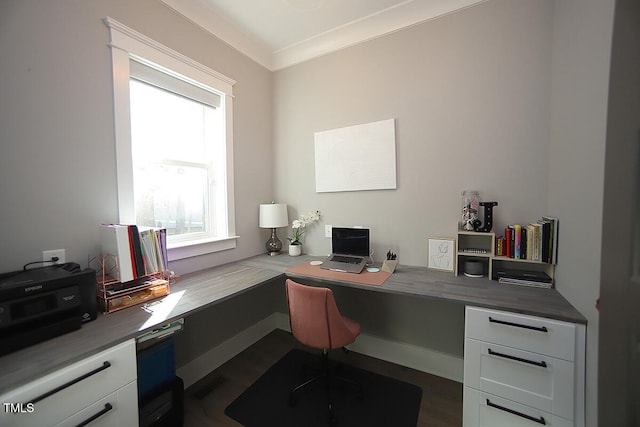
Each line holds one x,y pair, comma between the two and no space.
412,356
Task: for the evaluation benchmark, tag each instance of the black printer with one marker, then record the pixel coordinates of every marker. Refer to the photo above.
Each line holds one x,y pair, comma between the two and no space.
42,303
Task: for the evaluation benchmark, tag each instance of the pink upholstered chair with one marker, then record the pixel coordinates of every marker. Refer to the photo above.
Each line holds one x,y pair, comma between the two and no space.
316,322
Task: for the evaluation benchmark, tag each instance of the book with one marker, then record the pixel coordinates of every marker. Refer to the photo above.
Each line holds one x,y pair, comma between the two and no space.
136,251
538,279
537,246
553,239
147,239
154,249
530,242
114,240
530,275
529,283
518,240
544,240
500,246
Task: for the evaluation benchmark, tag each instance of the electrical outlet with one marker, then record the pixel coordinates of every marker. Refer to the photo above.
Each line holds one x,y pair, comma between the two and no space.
48,255
327,231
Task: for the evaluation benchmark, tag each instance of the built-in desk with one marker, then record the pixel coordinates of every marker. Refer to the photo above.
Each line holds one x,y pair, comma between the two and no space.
192,293
205,289
422,283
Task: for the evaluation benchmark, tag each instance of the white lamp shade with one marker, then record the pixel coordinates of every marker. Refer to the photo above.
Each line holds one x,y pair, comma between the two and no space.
274,215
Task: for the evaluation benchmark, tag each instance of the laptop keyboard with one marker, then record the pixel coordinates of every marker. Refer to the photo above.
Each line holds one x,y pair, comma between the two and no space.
346,259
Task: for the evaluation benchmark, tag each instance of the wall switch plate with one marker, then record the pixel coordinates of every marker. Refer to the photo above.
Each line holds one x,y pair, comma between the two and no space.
60,253
327,231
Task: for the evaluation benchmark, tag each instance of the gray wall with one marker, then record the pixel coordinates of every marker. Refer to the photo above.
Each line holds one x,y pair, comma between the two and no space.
581,57
618,362
57,164
506,97
212,326
470,93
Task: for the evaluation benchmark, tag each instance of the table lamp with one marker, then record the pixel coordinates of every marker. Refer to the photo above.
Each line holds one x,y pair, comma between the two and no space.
272,216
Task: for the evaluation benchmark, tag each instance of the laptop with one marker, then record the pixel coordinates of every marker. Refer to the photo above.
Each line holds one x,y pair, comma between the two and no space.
350,250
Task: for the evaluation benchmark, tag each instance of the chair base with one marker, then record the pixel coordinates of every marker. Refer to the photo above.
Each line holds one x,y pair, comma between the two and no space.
329,379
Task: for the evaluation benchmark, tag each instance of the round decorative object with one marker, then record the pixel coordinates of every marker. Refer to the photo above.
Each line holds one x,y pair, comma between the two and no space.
473,268
295,250
373,269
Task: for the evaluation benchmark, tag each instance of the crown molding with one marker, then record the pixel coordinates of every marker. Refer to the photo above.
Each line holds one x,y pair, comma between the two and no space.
385,22
403,15
227,31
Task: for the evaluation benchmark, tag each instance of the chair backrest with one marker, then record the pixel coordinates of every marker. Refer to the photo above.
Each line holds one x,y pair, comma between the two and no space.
314,317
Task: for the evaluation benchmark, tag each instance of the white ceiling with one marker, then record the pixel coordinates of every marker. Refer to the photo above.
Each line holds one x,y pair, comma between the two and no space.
280,33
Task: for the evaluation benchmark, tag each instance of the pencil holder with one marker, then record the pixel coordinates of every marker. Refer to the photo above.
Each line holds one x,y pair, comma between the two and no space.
389,265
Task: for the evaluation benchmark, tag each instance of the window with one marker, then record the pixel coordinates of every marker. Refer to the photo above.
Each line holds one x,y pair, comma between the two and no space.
173,144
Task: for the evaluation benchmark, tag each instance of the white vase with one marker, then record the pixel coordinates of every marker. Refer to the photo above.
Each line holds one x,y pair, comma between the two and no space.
295,250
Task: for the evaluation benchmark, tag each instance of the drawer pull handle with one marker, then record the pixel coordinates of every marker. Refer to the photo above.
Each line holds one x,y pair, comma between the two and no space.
520,414
107,408
542,364
518,325
104,366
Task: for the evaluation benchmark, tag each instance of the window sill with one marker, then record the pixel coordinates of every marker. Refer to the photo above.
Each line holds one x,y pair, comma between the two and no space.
193,248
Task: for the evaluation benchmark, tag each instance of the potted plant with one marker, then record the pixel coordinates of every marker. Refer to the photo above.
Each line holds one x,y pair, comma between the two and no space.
298,228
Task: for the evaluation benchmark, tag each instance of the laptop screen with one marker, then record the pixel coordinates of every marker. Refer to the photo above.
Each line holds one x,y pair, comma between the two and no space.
350,241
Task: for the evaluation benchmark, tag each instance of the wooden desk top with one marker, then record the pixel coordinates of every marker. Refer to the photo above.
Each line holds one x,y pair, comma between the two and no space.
423,283
197,291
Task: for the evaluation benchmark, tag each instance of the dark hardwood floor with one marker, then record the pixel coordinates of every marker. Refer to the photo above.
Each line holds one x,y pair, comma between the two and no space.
206,400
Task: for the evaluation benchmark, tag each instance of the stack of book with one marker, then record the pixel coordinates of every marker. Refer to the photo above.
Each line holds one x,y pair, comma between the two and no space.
536,279
140,251
533,242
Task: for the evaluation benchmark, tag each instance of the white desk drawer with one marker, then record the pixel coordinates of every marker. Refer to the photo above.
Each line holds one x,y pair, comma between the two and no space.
60,394
535,380
119,409
543,336
486,410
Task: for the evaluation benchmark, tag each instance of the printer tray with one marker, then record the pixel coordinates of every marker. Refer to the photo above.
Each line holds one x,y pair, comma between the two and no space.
18,339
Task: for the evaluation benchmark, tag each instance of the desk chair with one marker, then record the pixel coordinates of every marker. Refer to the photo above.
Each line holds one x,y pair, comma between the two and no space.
316,322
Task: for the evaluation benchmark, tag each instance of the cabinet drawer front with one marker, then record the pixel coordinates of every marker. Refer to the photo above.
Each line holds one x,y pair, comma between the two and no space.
543,336
486,410
542,382
60,394
119,409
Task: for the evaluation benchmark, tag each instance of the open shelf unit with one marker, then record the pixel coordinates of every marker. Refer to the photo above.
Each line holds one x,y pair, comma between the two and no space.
474,246
477,246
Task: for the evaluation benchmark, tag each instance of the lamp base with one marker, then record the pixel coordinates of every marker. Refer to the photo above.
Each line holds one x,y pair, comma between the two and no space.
274,245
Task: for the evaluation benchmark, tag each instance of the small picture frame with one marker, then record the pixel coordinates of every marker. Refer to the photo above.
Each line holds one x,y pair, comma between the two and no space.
441,253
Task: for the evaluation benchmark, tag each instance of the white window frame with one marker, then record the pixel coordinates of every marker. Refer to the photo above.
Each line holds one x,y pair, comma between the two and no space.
128,44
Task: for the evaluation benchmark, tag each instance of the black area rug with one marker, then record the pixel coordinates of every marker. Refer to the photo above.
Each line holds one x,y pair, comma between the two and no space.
385,401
